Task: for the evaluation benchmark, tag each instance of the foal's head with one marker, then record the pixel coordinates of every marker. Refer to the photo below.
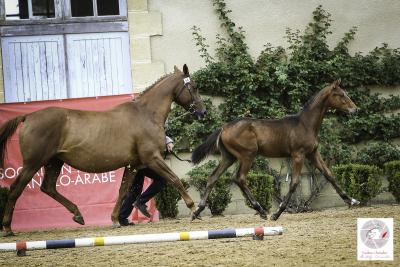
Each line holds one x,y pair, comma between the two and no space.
338,99
188,95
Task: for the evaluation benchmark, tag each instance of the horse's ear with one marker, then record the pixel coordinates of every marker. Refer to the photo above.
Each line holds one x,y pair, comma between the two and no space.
337,82
186,70
176,70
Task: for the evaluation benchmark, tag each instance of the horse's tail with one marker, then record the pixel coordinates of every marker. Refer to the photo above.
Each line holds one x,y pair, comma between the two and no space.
208,147
6,130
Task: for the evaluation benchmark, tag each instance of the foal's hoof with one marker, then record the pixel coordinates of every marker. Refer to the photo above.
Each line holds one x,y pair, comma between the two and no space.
263,216
78,219
195,216
274,217
354,202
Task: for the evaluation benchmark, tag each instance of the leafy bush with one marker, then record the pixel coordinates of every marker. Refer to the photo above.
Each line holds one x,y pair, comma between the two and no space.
392,172
333,150
167,200
261,186
362,182
3,201
220,196
378,153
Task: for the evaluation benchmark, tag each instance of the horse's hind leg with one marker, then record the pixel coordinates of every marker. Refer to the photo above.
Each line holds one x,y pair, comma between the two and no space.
212,179
52,170
240,180
16,189
298,161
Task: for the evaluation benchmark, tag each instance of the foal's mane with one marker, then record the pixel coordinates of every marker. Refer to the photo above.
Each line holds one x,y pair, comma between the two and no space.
317,96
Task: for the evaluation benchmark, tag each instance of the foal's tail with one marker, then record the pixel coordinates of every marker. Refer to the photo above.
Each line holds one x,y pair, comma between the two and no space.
6,131
208,147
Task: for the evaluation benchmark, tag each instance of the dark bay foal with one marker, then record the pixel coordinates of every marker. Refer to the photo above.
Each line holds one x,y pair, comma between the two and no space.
294,136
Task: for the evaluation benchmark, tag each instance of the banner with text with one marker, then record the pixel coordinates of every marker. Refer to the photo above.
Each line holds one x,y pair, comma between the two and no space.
94,193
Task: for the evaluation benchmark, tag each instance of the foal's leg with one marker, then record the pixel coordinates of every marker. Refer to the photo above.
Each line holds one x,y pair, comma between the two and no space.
212,179
240,180
298,161
317,160
126,182
52,170
16,189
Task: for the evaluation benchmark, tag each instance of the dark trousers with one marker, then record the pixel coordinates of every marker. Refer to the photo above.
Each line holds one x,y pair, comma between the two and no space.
135,191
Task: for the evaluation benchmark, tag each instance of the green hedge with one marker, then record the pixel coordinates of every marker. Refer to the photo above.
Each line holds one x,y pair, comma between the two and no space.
220,196
167,200
362,182
378,153
261,186
392,172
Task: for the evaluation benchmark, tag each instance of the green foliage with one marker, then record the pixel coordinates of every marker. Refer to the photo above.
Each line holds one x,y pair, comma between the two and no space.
3,200
378,153
362,182
167,200
192,128
332,148
220,196
392,172
281,80
261,187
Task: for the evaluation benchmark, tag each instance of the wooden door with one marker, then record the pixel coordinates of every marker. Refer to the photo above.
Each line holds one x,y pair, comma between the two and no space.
98,64
34,68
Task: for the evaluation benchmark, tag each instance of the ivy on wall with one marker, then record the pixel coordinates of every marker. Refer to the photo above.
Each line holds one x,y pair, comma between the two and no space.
281,80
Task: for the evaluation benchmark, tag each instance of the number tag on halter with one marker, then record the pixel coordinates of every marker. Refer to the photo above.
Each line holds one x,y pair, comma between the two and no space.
186,80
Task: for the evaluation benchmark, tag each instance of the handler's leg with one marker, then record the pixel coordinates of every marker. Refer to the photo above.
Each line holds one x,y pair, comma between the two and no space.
154,188
126,182
130,197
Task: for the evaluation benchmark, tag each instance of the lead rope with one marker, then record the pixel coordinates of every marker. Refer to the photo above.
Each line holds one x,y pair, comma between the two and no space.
175,155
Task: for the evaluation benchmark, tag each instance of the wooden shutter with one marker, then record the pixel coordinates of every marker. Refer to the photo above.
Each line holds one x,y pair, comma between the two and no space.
99,64
34,68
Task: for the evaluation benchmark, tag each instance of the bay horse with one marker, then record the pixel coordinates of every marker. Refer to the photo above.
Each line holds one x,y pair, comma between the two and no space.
129,135
294,136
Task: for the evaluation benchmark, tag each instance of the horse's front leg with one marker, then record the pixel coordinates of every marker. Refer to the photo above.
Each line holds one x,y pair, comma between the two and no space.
126,183
317,160
158,165
298,161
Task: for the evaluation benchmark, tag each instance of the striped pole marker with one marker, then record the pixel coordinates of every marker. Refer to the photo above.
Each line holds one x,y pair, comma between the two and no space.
135,239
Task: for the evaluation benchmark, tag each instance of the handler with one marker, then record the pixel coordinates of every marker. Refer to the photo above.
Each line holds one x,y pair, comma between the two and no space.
135,197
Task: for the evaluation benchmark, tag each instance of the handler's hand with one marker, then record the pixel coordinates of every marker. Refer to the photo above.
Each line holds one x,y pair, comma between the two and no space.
170,146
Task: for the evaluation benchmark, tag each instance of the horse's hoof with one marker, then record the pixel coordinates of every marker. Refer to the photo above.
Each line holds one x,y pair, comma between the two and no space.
195,216
354,202
78,219
264,216
7,233
274,217
116,225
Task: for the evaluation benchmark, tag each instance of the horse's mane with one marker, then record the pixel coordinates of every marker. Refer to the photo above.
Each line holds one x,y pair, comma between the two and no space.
154,84
316,97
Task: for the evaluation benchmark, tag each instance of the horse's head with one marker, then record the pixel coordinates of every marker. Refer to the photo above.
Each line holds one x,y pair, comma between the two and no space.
188,95
338,99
